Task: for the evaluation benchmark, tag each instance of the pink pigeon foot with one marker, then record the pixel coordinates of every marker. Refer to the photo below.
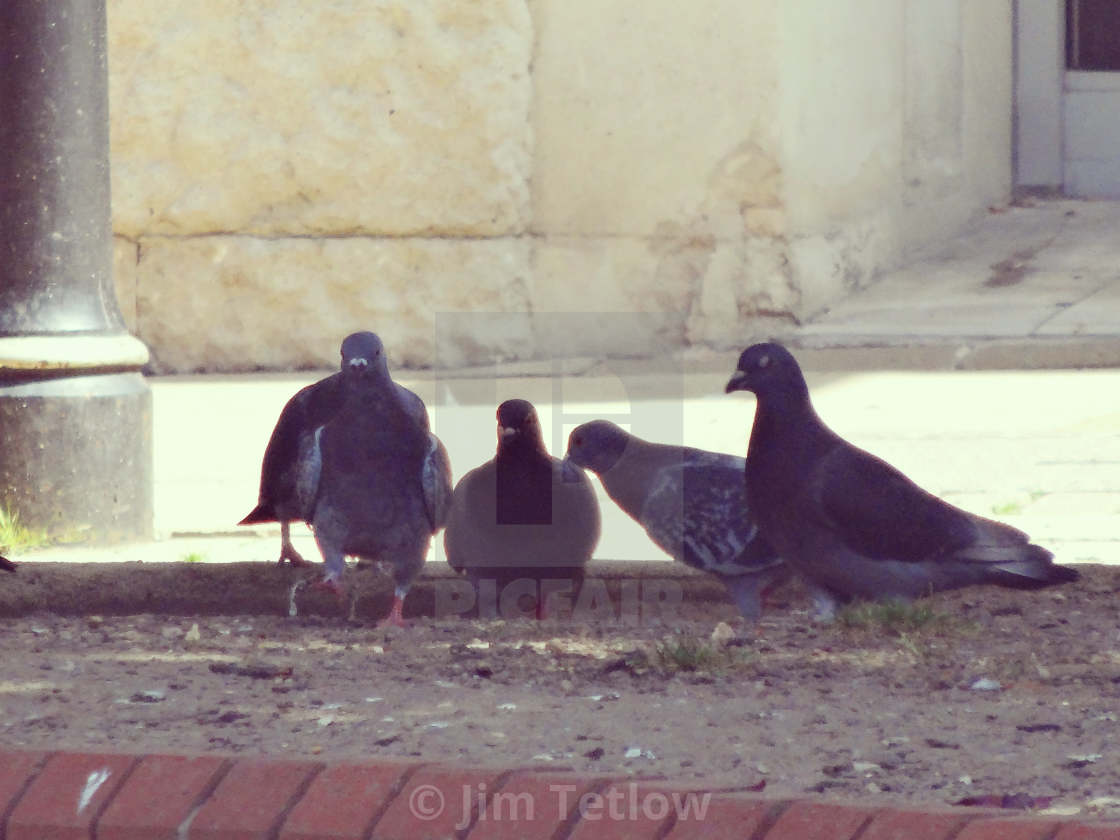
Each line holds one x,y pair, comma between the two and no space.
334,587
290,554
395,617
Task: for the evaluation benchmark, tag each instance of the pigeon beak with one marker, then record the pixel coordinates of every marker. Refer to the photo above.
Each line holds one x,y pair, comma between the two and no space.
569,472
737,382
505,432
358,364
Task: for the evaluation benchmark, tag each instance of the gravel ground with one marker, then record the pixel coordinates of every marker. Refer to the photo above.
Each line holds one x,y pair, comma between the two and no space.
999,693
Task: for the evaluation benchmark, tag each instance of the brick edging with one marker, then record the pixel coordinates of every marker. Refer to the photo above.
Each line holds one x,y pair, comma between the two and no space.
113,796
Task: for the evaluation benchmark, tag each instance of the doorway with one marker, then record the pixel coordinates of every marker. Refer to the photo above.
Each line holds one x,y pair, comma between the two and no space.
1068,96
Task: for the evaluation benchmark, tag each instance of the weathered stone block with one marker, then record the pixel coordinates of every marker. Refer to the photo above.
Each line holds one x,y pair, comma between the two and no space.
395,117
641,113
239,303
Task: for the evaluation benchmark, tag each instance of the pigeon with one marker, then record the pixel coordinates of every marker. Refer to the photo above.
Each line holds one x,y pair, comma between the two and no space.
520,515
851,524
290,466
381,479
691,503
7,565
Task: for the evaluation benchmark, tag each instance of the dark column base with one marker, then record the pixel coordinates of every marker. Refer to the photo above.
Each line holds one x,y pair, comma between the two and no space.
76,456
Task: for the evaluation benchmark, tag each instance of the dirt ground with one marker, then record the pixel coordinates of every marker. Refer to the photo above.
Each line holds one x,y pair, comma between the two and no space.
1000,693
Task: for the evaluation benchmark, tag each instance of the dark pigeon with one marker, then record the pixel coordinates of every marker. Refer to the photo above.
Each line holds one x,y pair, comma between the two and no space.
290,468
691,503
518,517
7,565
382,481
853,525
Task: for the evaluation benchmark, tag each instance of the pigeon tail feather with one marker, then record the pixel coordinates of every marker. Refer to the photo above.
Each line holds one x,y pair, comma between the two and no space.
261,513
1031,575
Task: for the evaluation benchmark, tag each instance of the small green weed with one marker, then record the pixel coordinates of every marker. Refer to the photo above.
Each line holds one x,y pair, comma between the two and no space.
685,653
898,617
193,557
918,629
692,654
15,536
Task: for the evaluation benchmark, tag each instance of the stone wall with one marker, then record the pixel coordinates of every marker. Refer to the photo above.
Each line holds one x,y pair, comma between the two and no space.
285,172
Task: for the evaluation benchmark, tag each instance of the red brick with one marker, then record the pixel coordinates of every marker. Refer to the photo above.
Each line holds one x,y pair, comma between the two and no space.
932,824
250,801
1083,831
820,821
158,796
631,809
725,817
67,795
531,805
438,792
343,800
1008,828
16,771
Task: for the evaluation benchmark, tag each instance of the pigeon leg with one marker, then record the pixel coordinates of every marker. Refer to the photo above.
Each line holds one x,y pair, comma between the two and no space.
287,550
335,564
747,591
395,618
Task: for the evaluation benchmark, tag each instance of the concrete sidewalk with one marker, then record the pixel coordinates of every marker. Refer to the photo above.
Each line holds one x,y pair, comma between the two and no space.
930,368
1033,285
1038,449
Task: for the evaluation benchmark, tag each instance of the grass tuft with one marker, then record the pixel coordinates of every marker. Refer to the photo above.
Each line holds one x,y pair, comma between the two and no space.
15,536
193,557
897,617
685,653
698,655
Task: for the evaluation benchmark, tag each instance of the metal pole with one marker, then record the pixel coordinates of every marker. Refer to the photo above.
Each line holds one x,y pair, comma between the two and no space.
75,412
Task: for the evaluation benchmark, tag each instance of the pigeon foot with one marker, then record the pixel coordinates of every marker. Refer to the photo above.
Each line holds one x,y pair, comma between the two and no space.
293,557
395,617
334,587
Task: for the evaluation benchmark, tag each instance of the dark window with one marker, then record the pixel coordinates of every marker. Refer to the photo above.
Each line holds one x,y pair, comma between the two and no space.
1093,34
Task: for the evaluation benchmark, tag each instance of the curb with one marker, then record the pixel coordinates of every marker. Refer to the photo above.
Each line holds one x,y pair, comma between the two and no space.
822,349
110,796
263,588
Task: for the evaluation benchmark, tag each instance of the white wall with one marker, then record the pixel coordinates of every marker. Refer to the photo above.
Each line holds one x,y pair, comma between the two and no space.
723,166
896,122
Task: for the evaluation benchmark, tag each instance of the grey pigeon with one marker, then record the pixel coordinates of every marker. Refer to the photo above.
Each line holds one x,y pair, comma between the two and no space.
382,481
853,525
289,471
7,565
691,503
518,516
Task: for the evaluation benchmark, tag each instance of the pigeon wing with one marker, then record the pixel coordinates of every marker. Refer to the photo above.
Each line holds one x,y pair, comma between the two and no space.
696,511
413,405
878,512
435,478
282,470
